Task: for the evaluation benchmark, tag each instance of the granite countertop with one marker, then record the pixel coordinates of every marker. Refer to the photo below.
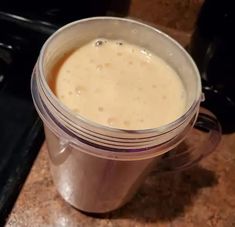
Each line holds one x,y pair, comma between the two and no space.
201,196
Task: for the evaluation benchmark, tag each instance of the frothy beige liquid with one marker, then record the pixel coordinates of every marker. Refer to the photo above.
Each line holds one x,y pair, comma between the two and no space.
120,85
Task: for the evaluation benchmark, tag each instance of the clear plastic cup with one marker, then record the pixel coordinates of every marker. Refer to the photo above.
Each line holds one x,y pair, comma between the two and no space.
96,168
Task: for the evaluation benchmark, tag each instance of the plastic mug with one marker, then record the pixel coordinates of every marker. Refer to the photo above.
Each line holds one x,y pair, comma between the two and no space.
96,168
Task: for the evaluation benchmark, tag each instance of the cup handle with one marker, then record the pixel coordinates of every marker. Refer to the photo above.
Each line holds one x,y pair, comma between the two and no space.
200,142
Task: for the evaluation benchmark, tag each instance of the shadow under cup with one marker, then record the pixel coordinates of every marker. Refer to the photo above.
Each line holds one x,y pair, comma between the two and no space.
96,168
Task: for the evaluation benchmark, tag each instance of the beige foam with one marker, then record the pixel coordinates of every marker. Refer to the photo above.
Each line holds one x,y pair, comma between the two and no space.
120,85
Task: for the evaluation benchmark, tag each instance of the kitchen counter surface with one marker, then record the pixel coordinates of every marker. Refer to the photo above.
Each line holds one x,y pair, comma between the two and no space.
201,196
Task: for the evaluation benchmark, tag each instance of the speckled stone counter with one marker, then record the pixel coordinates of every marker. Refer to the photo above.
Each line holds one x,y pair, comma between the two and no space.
202,196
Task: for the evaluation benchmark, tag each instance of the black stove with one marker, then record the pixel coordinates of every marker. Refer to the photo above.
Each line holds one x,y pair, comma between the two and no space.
23,30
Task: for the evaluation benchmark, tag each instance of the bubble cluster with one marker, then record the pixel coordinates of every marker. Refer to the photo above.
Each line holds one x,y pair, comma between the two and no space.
146,53
99,43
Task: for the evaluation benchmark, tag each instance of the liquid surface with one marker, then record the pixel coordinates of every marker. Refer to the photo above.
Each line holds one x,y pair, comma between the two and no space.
119,85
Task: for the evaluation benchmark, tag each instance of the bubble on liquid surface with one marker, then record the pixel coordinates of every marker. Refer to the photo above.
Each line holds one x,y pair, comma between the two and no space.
99,43
112,121
99,67
143,51
126,123
120,43
100,109
79,90
108,64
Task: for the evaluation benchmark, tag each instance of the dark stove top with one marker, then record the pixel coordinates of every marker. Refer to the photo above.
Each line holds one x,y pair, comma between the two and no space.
23,31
